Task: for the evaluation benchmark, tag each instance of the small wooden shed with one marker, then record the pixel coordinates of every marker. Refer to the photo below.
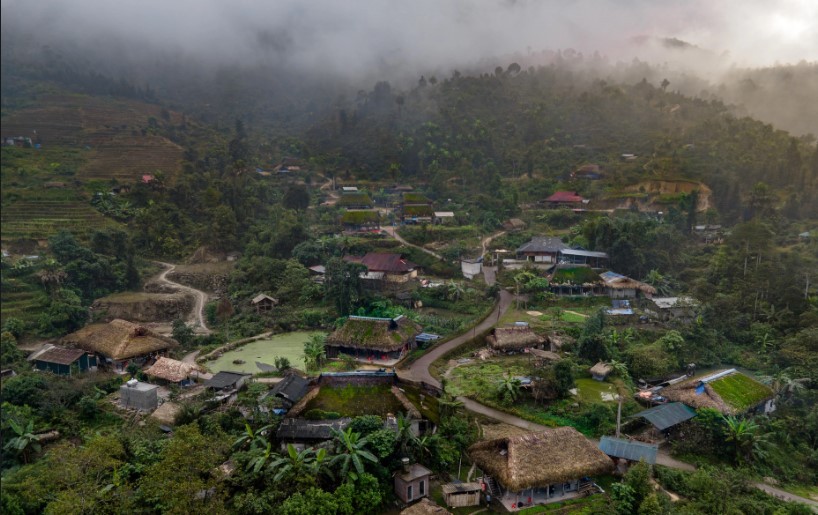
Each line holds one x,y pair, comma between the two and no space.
264,302
459,495
412,482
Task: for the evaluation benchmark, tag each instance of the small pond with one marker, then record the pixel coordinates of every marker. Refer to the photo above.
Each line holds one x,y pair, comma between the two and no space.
592,390
287,345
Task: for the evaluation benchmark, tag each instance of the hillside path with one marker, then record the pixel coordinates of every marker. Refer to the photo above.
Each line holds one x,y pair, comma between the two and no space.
392,231
200,296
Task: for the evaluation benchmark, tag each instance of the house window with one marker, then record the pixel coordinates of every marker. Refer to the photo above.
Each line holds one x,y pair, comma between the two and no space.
422,489
409,493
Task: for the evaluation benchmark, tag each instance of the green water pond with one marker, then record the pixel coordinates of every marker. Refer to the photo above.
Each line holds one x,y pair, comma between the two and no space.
592,390
287,345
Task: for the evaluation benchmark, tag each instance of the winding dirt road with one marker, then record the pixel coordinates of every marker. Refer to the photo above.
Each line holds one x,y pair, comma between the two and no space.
197,315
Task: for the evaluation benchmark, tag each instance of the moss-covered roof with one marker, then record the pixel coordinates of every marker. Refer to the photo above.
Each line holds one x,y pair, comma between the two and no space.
575,275
360,217
416,198
382,334
355,199
420,210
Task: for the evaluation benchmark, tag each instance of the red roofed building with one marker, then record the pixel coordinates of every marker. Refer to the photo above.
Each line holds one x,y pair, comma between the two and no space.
389,267
148,178
565,198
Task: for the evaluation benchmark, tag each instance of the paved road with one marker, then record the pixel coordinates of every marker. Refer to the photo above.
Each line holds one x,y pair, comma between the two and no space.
200,296
419,370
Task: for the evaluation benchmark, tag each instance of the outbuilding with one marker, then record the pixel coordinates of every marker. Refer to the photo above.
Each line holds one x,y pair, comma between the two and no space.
412,483
62,361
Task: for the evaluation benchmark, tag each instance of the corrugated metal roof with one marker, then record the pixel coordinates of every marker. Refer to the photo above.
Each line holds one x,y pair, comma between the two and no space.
384,262
543,244
633,451
60,355
584,253
667,415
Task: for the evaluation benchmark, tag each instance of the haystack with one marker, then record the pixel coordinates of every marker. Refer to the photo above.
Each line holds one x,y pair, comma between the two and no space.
514,338
377,334
118,340
535,460
171,370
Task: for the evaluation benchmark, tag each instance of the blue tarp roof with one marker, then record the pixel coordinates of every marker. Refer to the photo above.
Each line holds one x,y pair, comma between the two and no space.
629,450
426,337
667,415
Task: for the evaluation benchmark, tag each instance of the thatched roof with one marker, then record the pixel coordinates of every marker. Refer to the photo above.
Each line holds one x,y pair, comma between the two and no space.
382,334
425,507
513,338
545,354
601,369
171,370
118,340
539,459
620,282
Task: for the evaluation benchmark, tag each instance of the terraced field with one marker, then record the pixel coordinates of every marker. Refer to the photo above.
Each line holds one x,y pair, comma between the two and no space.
128,158
40,219
20,300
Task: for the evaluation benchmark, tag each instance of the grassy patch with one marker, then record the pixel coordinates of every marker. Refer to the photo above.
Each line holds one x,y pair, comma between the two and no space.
352,401
591,390
592,504
741,392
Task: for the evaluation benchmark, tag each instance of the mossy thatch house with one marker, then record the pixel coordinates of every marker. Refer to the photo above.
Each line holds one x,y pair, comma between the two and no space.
728,391
120,342
515,338
543,466
361,221
575,280
377,339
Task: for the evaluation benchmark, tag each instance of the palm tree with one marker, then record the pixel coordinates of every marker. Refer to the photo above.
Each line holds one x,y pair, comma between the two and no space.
25,439
748,442
351,453
620,369
785,386
660,282
509,389
51,275
299,465
315,351
456,290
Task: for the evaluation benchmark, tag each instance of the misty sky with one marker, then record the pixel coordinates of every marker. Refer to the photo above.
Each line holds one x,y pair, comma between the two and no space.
357,35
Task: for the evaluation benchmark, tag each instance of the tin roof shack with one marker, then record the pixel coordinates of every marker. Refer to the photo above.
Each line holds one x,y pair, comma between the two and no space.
171,371
62,361
373,338
514,339
120,341
728,391
139,396
620,287
541,249
682,308
412,482
460,495
302,433
665,416
629,450
534,468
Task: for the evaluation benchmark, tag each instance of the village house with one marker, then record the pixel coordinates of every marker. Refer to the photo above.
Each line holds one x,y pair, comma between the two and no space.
393,267
541,249
673,308
728,391
173,372
291,389
513,225
263,303
62,361
416,208
226,383
514,339
583,257
354,221
444,217
471,268
538,468
412,482
569,199
302,433
119,343
373,339
591,172
618,286
575,280
355,200
543,357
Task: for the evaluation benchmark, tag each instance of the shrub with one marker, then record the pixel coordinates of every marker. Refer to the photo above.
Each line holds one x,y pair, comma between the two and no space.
281,363
319,414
